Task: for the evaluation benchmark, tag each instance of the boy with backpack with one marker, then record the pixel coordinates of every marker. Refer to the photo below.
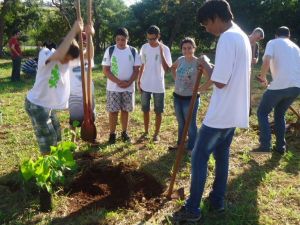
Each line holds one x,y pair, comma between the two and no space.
121,66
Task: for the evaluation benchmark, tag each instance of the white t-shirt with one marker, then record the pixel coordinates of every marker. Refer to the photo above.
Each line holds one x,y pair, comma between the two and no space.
52,84
229,106
121,65
153,77
75,77
285,63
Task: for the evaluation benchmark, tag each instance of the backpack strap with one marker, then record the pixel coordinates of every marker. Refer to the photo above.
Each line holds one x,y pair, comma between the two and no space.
112,48
133,52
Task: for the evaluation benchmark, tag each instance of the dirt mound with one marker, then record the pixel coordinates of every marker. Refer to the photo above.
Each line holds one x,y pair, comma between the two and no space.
113,187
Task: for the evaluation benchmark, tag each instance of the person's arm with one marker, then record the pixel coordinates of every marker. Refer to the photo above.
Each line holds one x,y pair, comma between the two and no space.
255,54
133,77
262,77
107,72
163,58
140,74
174,69
63,48
208,70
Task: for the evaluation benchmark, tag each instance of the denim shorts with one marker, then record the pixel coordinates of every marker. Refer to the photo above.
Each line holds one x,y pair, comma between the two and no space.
159,101
116,101
45,124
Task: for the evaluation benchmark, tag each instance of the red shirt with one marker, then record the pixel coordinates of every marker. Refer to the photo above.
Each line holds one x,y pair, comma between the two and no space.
14,41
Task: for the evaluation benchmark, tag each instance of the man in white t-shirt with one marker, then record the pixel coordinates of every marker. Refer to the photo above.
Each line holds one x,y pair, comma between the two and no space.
51,89
282,56
228,108
121,64
156,61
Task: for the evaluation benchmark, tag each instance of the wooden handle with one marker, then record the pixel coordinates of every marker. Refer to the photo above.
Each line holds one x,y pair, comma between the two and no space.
180,149
89,42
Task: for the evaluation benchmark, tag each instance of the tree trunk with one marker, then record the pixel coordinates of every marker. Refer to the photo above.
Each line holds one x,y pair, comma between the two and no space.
2,24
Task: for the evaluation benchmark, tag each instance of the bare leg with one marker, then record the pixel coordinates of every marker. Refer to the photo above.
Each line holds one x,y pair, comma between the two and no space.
146,121
113,119
124,120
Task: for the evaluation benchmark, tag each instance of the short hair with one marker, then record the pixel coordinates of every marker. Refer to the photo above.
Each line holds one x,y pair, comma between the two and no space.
123,32
15,32
153,29
260,31
215,8
73,49
283,31
49,44
188,40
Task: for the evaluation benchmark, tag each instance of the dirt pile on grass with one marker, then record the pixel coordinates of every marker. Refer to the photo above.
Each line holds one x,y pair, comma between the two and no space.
113,187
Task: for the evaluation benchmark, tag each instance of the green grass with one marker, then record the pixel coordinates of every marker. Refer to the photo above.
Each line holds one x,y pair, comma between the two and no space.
261,189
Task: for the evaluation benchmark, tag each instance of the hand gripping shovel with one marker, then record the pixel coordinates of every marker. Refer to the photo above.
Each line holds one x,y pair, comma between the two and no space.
88,128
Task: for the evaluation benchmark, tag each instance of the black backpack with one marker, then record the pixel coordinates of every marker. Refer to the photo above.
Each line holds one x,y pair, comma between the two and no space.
112,48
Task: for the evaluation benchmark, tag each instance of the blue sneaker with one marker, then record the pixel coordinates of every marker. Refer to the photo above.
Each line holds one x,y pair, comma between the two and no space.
182,215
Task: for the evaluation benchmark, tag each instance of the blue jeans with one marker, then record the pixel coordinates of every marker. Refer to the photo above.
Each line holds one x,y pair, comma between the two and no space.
181,107
280,100
216,141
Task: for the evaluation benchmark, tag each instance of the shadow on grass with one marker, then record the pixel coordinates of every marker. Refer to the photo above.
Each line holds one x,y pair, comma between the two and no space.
6,86
242,195
16,198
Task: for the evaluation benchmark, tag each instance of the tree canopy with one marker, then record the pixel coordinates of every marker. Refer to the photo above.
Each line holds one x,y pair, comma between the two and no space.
176,18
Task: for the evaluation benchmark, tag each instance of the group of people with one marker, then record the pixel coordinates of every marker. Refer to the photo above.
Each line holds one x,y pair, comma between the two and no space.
229,104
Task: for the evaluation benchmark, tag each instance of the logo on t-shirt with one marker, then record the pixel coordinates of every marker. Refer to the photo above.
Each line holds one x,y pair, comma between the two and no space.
114,66
54,77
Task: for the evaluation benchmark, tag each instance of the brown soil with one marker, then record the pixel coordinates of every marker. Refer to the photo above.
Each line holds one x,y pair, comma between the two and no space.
113,187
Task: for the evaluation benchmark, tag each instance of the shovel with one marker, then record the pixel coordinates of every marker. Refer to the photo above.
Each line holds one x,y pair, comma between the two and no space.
179,193
88,128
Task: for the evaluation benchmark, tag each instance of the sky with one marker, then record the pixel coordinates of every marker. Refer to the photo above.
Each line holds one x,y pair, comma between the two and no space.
129,2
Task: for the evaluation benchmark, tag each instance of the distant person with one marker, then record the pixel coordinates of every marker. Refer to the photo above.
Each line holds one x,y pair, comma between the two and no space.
51,89
16,55
256,36
228,107
76,108
121,64
156,61
185,72
282,56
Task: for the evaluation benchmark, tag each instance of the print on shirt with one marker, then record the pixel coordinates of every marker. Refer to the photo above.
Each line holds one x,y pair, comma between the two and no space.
54,77
114,66
185,78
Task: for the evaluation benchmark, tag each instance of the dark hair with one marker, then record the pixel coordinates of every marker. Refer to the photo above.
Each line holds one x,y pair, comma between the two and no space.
188,40
283,31
122,31
15,32
153,29
49,44
73,50
214,8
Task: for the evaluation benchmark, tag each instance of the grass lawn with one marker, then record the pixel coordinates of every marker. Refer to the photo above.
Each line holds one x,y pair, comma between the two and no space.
262,189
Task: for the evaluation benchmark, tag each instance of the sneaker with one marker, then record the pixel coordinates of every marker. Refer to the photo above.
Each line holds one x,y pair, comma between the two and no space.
261,150
155,138
145,136
112,139
125,137
280,151
173,148
182,215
